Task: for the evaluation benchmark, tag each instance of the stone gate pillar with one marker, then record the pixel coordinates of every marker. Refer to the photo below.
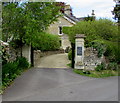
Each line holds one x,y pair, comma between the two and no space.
79,51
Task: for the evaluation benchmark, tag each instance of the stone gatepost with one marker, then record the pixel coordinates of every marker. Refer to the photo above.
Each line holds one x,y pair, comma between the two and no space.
79,51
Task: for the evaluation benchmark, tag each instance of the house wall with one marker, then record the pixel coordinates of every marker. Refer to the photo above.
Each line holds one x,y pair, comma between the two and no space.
54,29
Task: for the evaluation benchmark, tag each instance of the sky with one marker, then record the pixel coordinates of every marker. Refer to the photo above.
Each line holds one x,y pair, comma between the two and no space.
82,8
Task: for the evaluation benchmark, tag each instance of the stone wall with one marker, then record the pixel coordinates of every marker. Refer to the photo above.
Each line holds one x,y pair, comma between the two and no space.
13,53
91,59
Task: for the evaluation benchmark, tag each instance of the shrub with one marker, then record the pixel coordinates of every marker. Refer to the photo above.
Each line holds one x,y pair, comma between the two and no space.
12,69
112,66
112,52
99,46
102,28
70,55
48,42
8,71
22,62
100,67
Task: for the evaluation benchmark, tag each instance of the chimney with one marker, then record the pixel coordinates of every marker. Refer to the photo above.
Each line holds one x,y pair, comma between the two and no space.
93,14
68,10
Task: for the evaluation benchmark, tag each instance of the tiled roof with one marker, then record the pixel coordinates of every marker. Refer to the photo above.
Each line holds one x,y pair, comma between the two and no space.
73,18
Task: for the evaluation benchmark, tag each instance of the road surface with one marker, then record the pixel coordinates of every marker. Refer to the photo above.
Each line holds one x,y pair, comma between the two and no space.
47,84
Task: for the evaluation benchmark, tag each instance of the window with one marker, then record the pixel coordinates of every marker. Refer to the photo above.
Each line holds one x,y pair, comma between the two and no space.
60,30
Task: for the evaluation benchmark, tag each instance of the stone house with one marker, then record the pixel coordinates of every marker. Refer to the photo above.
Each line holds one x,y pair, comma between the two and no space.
66,20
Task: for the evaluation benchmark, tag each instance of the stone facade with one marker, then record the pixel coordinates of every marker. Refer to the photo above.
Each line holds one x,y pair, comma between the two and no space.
79,51
85,58
55,29
14,53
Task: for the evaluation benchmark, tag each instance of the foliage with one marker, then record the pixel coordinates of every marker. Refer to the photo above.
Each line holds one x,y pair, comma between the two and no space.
100,67
112,66
89,18
109,66
12,69
22,62
112,52
100,47
116,11
4,53
97,74
86,72
98,29
70,55
48,42
8,71
69,64
103,33
25,22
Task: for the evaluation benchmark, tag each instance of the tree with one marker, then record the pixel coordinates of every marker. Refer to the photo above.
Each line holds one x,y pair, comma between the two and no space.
89,18
116,10
26,22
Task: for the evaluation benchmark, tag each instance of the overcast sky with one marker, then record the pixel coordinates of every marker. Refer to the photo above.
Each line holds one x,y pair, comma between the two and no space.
83,8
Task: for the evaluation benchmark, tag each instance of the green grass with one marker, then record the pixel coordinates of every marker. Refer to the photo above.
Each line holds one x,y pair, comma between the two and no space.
97,74
69,65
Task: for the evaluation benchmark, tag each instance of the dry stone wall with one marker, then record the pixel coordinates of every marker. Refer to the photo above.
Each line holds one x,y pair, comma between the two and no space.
91,59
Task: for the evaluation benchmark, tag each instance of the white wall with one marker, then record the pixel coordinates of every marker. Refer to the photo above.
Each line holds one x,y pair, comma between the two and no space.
26,52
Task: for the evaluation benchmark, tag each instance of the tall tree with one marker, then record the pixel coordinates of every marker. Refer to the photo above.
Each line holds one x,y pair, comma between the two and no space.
25,22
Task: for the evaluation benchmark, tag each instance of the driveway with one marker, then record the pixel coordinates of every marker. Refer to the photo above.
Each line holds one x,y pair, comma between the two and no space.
61,85
53,61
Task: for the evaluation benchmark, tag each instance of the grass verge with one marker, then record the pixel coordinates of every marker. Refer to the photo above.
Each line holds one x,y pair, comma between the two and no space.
97,74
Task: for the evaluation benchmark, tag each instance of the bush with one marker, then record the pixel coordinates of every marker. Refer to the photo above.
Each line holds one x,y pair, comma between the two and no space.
48,42
112,52
70,55
22,62
100,67
99,46
112,66
98,29
8,71
12,69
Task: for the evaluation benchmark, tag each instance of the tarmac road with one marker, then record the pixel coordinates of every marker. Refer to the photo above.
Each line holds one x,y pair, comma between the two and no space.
51,84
